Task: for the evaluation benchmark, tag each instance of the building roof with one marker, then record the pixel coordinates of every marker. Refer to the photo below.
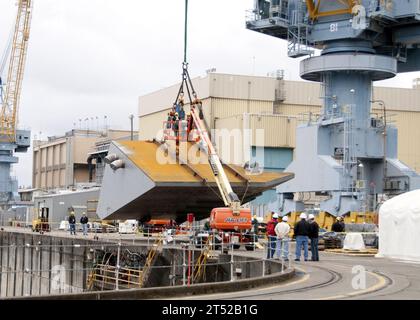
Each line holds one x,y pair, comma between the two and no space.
27,190
68,192
109,134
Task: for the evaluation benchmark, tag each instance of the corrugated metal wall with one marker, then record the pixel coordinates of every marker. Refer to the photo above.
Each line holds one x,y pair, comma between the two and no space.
150,125
234,122
302,93
224,108
82,146
242,87
401,99
296,109
278,130
408,124
229,140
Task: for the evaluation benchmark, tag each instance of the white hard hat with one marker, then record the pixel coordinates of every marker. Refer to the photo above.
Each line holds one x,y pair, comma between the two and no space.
311,216
338,218
285,218
303,216
275,216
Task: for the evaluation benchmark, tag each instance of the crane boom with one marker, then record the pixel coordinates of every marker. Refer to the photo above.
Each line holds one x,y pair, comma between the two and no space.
10,106
230,198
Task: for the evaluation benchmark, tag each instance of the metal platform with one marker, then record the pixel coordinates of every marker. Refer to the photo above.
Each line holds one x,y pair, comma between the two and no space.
146,188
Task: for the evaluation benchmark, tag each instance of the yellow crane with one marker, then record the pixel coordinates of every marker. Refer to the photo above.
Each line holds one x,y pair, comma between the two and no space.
11,139
11,98
315,12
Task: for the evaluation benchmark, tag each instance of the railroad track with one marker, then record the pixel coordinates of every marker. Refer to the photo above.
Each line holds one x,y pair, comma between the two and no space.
334,278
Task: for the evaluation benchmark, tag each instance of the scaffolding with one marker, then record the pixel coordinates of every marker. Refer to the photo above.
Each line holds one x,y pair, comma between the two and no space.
297,35
349,158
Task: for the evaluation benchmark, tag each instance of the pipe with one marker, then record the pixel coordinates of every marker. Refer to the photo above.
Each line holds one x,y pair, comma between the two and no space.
189,266
90,168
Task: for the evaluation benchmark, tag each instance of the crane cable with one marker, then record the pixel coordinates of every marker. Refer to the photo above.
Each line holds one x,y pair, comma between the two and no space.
6,52
186,79
187,82
186,32
3,62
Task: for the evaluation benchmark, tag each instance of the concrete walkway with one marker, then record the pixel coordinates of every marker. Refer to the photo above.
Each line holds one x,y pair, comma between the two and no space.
333,278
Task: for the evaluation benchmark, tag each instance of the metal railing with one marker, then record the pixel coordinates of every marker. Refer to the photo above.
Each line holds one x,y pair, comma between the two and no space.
190,269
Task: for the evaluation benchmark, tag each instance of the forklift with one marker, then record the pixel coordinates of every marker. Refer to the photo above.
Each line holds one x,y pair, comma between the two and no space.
40,223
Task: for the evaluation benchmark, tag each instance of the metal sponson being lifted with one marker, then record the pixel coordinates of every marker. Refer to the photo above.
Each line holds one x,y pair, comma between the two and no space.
145,188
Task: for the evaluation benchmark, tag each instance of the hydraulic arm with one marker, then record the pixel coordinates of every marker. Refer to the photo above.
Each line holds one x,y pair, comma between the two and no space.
230,198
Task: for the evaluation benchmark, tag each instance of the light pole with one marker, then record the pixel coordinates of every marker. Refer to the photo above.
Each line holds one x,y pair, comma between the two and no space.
131,117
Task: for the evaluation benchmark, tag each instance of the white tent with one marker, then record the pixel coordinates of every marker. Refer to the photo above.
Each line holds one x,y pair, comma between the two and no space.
399,227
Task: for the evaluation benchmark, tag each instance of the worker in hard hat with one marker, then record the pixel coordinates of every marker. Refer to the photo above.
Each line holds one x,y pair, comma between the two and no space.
183,124
179,105
314,237
271,235
84,221
255,224
207,225
175,121
301,232
282,231
255,228
72,223
169,121
338,225
181,113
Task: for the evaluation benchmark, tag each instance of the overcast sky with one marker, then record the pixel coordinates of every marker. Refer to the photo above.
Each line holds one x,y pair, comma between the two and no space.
91,58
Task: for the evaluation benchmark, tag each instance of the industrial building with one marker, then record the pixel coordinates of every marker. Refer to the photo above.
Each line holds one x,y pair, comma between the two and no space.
75,158
60,204
278,106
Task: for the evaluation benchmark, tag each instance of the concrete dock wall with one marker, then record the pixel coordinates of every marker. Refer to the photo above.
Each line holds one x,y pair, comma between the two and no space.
39,266
32,264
